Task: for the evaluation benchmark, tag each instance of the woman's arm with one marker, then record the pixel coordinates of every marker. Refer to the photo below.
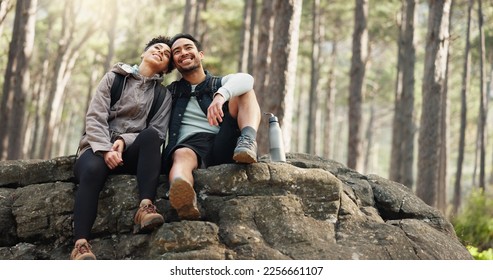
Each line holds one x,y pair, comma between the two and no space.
97,131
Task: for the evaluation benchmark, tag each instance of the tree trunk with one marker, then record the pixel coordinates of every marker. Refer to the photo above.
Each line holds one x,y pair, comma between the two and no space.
463,114
443,158
111,33
402,152
434,83
245,36
253,39
67,54
357,85
476,155
490,93
329,102
39,89
5,7
16,82
188,16
41,82
483,101
283,65
200,27
315,75
369,138
301,117
6,104
262,64
91,85
444,134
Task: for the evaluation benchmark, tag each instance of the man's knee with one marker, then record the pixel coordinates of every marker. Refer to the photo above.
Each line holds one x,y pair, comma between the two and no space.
246,100
183,154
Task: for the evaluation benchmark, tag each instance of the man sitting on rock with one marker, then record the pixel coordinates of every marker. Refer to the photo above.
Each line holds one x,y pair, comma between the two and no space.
214,121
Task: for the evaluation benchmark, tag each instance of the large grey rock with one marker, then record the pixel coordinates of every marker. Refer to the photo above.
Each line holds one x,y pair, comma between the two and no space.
15,173
308,208
8,235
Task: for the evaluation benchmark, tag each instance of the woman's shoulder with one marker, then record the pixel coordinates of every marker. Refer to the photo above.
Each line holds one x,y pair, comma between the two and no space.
123,69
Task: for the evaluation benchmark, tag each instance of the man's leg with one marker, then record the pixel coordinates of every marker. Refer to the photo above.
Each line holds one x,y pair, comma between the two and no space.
246,110
182,196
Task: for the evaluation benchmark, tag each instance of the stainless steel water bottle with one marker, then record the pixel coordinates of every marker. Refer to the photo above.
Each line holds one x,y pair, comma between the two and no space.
275,139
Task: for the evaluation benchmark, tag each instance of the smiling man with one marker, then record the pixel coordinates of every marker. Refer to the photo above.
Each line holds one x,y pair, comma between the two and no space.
214,121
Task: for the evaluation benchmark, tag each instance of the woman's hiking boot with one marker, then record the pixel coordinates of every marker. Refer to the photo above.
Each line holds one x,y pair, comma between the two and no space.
82,251
147,219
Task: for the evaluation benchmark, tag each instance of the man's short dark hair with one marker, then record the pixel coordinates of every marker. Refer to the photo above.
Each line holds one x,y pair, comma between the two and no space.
165,40
196,42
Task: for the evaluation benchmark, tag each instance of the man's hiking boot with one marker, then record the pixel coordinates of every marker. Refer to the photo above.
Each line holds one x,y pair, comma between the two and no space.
246,150
183,199
82,251
147,219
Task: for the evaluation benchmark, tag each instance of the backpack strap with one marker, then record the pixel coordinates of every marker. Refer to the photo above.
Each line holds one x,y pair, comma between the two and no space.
116,92
159,95
117,88
173,89
213,84
119,85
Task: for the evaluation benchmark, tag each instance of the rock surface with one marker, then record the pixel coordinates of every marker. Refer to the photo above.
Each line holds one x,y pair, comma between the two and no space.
308,208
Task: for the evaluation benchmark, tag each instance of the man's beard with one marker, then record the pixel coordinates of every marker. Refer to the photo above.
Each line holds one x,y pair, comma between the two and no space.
190,68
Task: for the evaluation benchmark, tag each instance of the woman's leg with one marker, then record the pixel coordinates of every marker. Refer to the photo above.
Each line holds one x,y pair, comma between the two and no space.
91,172
143,158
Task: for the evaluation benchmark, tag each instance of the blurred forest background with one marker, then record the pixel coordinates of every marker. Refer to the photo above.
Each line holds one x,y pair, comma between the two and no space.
399,88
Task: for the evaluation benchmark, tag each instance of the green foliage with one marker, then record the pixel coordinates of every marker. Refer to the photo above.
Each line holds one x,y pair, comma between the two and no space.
480,255
474,226
382,23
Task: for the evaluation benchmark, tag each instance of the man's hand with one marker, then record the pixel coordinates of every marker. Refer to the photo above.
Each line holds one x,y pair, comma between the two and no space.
113,158
215,111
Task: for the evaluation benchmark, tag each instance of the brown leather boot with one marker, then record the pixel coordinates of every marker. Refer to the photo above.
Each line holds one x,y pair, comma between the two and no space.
183,198
82,251
147,219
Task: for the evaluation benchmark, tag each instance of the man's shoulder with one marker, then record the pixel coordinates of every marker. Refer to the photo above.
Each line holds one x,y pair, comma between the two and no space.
215,80
173,87
172,84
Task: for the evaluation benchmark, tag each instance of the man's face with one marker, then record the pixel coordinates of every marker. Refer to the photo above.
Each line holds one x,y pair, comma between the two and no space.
185,55
158,55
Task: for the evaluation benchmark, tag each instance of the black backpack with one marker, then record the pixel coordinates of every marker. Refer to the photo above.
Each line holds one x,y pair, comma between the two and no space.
117,89
213,84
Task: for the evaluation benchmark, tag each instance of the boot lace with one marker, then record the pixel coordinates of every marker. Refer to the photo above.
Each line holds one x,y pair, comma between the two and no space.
246,142
83,248
149,208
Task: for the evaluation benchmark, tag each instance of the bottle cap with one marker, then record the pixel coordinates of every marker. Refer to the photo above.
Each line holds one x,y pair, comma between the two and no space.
272,117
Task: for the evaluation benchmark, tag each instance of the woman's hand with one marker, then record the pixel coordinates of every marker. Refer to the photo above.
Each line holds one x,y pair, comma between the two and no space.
113,158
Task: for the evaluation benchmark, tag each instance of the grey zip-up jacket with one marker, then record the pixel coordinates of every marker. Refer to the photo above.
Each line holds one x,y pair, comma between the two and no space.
128,115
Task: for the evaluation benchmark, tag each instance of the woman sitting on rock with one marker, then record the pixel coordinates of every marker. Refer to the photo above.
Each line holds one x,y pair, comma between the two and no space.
120,139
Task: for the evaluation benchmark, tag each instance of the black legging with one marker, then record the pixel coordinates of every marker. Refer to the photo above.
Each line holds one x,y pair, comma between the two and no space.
142,158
